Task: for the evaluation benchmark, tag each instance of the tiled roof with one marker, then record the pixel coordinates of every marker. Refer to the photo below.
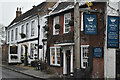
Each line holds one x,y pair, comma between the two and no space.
29,13
63,5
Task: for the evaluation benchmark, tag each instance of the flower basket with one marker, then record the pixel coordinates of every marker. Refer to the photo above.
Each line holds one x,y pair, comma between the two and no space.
22,35
40,46
14,57
71,22
57,26
46,28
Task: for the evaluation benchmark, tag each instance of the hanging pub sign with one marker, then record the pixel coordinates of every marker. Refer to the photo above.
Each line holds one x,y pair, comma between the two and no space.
98,52
90,24
113,32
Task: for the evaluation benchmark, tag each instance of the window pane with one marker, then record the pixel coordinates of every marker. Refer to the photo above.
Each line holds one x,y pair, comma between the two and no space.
56,21
67,19
58,55
27,29
32,28
22,29
16,34
53,56
84,54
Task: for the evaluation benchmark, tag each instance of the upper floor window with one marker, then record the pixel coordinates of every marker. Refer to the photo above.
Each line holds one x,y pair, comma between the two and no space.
27,30
16,33
32,28
67,18
8,36
55,56
56,21
82,28
12,34
84,56
22,29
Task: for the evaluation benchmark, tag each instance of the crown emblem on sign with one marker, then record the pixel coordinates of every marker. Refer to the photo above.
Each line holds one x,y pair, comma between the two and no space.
90,19
113,20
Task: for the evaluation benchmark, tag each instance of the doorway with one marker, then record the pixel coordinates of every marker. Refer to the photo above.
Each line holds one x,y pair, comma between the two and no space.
118,64
68,61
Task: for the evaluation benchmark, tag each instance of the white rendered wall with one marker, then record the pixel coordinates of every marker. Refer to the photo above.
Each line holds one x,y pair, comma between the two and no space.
109,53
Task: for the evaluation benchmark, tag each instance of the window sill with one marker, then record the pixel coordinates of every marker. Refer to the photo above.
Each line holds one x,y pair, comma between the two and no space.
55,65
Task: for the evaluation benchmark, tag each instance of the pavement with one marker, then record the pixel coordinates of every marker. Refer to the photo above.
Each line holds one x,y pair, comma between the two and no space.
31,71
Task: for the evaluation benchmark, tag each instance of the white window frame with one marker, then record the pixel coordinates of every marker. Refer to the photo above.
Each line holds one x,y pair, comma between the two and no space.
55,56
8,33
27,31
67,23
12,35
33,28
22,29
82,26
85,58
54,23
16,33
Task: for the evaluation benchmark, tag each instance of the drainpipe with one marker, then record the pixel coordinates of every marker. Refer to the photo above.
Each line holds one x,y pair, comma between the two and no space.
38,34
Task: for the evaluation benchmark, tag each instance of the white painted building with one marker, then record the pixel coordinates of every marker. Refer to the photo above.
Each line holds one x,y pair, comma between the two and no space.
110,53
26,25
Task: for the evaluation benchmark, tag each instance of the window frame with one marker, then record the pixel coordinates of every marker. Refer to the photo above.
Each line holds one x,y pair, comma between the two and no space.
54,23
8,36
12,35
82,23
33,28
16,33
22,29
85,58
55,64
67,23
27,31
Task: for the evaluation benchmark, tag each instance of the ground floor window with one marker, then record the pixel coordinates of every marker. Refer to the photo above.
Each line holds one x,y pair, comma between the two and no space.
55,56
32,45
84,56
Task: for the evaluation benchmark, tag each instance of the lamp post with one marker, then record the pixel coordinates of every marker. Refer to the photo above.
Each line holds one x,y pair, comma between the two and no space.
38,34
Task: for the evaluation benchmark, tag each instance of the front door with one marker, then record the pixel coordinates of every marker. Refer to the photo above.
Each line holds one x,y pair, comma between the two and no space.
68,61
118,64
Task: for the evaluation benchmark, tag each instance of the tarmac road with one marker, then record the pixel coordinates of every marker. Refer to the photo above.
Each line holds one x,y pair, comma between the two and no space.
6,73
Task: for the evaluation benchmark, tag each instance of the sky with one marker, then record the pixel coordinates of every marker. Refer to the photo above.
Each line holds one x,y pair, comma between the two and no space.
8,8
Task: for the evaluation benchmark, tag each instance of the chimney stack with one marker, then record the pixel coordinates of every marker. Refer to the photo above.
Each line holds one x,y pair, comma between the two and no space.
18,12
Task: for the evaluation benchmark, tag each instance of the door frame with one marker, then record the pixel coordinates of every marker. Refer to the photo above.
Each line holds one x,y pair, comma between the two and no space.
65,60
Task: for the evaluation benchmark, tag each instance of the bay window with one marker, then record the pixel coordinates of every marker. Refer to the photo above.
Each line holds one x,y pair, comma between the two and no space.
55,56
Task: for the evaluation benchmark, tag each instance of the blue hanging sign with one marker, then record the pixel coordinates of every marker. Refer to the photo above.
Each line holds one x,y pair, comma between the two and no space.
98,52
90,24
113,32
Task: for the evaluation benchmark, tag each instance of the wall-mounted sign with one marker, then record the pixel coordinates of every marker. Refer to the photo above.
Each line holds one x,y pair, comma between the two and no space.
98,52
113,32
90,24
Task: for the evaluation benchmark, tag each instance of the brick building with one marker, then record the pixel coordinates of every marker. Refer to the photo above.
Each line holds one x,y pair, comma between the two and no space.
60,42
